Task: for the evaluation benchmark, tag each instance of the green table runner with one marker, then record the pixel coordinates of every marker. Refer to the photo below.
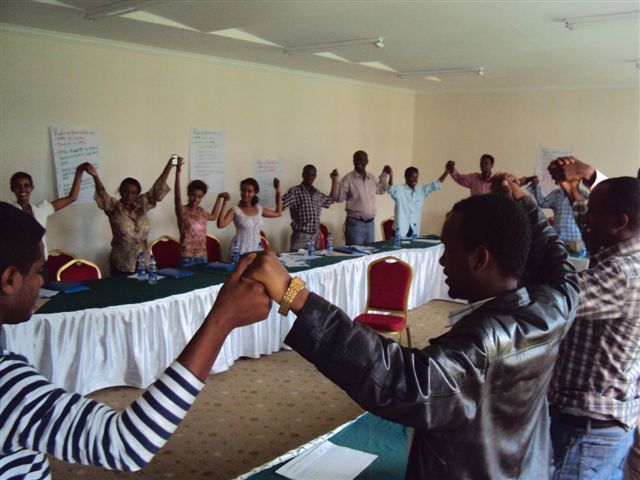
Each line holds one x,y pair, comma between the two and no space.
109,292
371,434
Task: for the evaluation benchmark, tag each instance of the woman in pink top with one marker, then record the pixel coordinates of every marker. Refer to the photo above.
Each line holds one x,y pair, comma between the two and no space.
192,220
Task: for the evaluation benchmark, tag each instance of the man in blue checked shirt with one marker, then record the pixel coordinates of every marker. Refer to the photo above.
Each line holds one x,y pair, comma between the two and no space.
409,199
564,222
594,394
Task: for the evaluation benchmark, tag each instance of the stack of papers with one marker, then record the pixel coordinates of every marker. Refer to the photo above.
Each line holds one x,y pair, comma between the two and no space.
326,461
294,259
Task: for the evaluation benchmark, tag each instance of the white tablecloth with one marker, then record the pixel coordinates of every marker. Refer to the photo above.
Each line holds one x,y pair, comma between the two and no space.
86,350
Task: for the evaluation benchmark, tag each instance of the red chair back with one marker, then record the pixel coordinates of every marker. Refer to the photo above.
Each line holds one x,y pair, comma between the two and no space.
264,241
55,260
389,280
167,252
387,228
78,270
214,252
324,235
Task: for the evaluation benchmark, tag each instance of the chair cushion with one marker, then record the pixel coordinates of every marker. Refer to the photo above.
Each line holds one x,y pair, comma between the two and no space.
384,323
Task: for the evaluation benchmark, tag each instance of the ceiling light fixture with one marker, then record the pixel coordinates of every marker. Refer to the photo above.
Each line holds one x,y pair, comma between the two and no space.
324,47
444,72
570,23
118,8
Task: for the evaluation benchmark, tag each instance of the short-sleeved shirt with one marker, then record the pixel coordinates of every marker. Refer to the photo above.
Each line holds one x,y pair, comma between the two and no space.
409,202
41,212
192,223
305,204
130,229
360,193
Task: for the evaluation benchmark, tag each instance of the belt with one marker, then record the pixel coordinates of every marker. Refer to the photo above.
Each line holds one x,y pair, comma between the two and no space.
363,220
582,422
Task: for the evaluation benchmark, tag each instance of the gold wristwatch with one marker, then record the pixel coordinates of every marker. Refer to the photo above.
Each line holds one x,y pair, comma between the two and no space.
294,288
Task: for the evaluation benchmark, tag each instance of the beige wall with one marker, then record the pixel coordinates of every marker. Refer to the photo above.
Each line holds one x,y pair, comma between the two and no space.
601,127
145,102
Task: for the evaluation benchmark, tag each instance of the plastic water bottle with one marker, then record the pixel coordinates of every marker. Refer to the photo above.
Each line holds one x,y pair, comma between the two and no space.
414,232
142,271
311,249
397,240
330,243
152,269
235,252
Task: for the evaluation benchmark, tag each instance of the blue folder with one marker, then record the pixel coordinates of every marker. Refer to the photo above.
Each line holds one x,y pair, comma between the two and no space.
174,273
66,287
351,250
223,267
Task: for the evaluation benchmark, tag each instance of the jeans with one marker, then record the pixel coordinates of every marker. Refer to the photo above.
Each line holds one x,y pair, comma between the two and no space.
588,453
192,261
358,232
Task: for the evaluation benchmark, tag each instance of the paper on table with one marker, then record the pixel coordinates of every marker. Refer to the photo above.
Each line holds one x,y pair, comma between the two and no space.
294,259
427,240
135,277
326,461
46,293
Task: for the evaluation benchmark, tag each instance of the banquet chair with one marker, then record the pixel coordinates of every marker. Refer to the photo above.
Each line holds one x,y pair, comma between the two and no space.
166,250
264,240
214,252
78,270
388,284
324,235
56,259
387,228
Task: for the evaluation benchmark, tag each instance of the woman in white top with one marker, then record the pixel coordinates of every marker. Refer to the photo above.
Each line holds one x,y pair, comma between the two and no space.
247,215
22,187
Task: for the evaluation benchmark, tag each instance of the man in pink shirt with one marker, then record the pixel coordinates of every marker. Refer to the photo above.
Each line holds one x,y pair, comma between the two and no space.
478,183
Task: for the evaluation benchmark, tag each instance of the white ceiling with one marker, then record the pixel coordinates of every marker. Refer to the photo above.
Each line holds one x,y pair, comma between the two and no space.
520,44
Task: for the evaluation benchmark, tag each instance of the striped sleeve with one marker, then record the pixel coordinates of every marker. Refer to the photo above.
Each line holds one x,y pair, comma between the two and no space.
40,417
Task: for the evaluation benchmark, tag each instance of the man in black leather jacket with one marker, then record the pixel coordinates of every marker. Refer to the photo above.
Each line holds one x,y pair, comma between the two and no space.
476,396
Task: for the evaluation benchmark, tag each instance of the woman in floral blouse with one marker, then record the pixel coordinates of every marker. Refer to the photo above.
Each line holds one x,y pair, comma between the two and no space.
128,217
192,219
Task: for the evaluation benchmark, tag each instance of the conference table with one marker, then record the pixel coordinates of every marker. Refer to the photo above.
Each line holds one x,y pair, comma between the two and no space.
368,433
125,332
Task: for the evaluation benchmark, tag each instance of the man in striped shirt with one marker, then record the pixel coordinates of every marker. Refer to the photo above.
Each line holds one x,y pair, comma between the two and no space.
37,418
594,393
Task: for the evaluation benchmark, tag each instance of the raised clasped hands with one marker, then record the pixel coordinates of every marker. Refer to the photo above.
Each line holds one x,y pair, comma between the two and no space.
569,169
507,184
242,300
267,269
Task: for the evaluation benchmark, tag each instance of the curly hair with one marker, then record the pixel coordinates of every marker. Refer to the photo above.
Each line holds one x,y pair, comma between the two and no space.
254,183
197,185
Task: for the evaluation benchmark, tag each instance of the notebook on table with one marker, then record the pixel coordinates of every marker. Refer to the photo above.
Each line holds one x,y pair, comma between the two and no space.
174,273
66,287
223,267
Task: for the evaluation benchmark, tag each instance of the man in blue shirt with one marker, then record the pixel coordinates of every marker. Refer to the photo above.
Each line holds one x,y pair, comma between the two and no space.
564,222
409,199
